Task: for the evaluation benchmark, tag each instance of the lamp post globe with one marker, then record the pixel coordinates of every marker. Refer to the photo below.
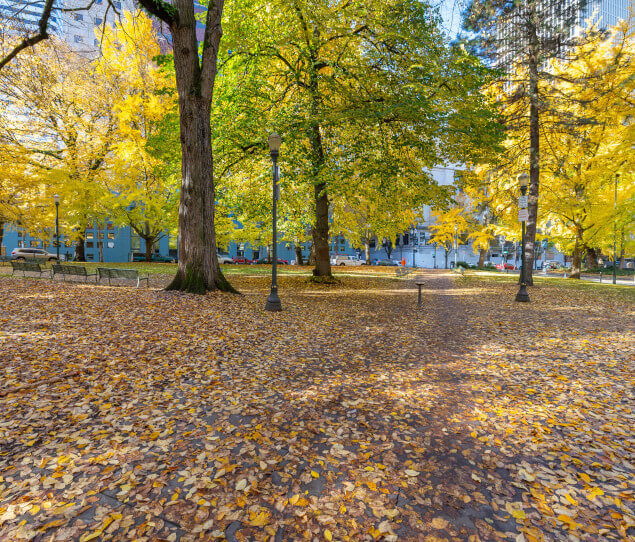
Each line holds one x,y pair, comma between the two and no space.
273,301
56,199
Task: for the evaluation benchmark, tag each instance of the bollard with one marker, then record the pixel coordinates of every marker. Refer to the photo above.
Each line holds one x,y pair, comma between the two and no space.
600,277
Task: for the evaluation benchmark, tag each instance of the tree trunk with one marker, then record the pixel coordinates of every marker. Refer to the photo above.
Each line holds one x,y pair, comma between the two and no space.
80,250
299,260
388,248
481,257
311,259
367,251
198,269
621,249
445,265
576,263
534,155
1,235
591,258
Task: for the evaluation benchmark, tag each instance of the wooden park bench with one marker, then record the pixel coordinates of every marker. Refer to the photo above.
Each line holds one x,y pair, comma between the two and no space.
28,267
72,271
129,274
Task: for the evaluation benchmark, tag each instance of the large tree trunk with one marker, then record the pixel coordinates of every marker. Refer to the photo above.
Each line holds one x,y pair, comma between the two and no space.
367,251
299,260
311,258
481,257
534,155
198,269
80,250
1,235
445,265
388,248
591,258
576,263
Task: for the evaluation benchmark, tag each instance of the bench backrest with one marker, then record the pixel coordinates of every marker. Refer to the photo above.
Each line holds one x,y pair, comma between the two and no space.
27,266
59,269
106,272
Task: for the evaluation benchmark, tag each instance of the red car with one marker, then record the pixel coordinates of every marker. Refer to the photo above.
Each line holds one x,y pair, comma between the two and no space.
243,260
505,266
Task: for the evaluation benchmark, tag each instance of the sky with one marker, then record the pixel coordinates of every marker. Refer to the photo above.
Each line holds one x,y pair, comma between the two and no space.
451,12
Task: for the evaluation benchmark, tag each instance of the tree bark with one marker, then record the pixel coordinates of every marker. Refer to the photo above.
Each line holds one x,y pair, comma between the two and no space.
591,258
388,248
311,259
299,260
481,257
576,263
367,251
1,234
445,265
80,250
534,153
198,269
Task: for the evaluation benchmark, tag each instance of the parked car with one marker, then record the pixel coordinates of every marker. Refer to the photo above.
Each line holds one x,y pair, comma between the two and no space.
506,266
21,254
242,260
392,263
345,259
265,261
550,264
157,258
224,259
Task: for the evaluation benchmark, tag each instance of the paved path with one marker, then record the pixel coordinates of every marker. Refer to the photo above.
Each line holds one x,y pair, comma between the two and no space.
351,415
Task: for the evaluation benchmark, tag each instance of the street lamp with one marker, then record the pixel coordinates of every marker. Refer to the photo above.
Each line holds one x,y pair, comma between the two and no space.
56,199
413,233
523,181
456,245
273,301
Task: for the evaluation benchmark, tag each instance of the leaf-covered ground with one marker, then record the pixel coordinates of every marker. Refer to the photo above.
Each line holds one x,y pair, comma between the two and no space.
352,415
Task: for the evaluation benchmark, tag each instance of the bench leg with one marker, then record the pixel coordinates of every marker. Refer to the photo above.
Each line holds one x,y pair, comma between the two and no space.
419,297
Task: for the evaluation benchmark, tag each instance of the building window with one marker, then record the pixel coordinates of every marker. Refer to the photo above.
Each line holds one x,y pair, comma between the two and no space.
110,226
90,256
90,244
78,39
111,235
89,235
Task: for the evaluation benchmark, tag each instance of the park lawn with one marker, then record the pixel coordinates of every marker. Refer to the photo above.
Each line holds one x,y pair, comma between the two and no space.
352,415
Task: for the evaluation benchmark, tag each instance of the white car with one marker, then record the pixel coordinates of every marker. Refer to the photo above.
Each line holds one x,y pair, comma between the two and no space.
345,259
32,253
224,259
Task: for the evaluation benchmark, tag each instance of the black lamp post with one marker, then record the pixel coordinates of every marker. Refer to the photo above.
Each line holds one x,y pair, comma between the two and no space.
273,301
456,245
56,198
523,179
413,233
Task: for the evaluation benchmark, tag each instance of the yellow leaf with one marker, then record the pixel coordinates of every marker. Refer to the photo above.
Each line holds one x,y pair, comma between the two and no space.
260,519
473,434
314,474
596,491
342,509
568,520
293,500
585,477
90,536
372,486
34,509
439,523
571,499
328,535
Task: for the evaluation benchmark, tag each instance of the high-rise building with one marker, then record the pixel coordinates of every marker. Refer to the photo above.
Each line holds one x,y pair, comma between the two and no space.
77,27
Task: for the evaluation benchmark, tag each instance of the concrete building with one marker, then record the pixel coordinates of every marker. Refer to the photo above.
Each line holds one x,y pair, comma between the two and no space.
104,242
